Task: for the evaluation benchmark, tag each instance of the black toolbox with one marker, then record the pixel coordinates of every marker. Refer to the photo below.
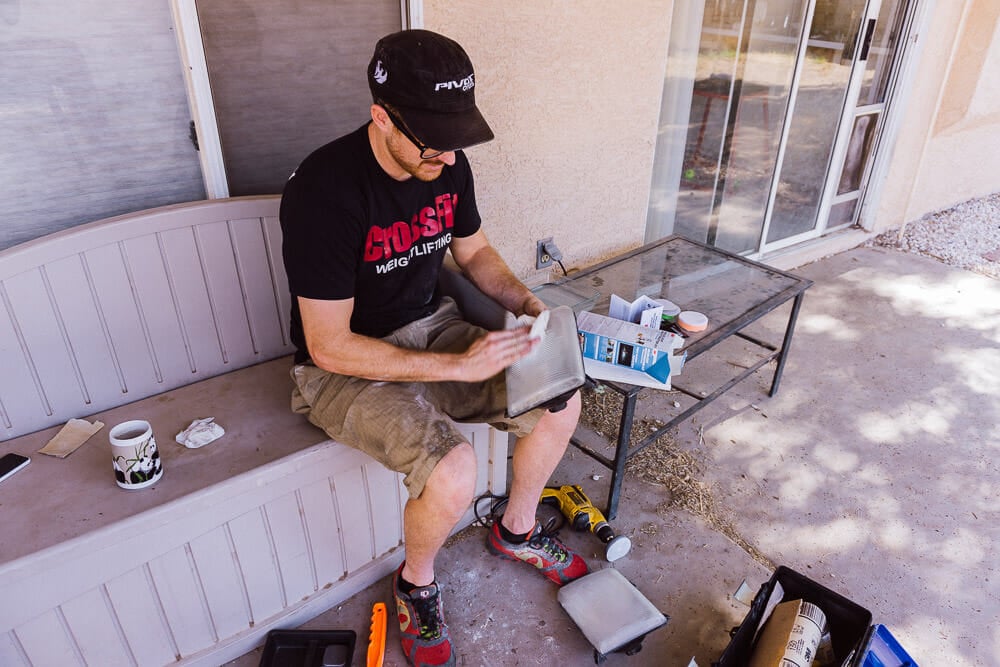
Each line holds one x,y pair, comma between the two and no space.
850,624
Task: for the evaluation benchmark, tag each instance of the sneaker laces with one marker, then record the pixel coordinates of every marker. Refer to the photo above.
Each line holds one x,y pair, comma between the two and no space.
428,615
545,539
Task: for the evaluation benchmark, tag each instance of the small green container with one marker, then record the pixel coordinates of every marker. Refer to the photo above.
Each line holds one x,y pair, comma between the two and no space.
670,310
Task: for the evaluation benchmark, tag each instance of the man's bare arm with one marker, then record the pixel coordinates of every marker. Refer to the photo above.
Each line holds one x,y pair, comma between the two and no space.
335,348
484,267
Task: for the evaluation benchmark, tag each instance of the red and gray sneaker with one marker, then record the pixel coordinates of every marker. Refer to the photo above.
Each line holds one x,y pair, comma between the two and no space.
422,630
542,550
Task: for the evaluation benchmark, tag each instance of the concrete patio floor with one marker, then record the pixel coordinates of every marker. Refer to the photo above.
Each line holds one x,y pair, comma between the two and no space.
873,471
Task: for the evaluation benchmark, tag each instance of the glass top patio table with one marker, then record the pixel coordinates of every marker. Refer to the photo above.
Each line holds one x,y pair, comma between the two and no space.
730,290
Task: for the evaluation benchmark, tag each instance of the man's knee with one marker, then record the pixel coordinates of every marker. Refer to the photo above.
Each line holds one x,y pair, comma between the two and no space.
573,406
453,479
563,422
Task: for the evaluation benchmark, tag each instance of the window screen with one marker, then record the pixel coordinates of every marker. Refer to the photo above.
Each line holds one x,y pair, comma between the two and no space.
94,118
287,76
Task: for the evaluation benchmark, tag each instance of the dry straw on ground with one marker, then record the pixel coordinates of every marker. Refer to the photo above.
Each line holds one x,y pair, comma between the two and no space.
664,464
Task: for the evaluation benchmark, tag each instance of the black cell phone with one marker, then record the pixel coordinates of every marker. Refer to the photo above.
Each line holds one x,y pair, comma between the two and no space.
11,463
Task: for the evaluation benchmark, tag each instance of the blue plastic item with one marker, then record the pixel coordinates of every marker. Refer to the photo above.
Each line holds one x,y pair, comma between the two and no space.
885,651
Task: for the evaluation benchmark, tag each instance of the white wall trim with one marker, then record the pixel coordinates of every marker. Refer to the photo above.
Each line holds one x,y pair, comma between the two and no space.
412,13
192,51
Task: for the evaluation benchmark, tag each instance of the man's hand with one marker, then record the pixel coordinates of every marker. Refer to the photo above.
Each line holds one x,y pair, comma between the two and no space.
533,306
494,352
335,348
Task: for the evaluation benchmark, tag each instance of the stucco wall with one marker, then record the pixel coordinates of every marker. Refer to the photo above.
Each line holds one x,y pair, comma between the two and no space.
948,149
572,90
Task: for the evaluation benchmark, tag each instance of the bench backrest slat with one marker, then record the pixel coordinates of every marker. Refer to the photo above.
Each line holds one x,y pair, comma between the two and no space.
117,310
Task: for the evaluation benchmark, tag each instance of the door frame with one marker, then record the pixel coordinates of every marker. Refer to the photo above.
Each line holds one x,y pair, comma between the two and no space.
199,88
915,26
841,137
908,46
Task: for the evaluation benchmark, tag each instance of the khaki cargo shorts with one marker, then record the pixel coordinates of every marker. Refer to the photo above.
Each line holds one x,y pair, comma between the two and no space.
408,426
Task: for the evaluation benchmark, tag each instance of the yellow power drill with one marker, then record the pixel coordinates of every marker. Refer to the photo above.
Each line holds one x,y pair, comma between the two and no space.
582,515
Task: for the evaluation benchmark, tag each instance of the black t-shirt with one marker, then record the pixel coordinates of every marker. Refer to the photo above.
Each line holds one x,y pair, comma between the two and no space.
350,230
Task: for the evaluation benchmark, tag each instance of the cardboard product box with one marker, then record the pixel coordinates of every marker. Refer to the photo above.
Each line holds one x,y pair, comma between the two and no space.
628,352
854,642
790,636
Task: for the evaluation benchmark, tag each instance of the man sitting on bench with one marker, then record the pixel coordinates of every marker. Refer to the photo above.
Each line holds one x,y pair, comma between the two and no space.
383,363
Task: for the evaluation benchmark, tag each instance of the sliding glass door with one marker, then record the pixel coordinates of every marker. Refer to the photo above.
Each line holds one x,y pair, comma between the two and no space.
768,123
823,80
859,130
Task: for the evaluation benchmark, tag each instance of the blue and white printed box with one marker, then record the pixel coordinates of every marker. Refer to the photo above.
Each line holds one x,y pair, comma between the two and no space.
626,352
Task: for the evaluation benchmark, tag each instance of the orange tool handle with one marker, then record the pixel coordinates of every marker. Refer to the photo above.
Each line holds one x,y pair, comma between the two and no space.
376,638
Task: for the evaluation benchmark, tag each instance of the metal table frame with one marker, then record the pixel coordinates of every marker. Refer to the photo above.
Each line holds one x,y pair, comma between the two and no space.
718,332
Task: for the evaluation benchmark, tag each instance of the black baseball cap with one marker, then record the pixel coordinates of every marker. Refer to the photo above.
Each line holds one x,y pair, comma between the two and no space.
428,80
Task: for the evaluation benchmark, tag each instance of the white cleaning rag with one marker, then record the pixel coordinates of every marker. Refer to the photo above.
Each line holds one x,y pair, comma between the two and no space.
200,433
538,324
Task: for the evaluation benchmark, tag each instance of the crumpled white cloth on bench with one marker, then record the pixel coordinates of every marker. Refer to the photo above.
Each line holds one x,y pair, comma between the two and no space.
200,433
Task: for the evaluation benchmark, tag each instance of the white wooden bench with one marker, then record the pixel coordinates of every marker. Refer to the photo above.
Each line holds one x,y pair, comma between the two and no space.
170,315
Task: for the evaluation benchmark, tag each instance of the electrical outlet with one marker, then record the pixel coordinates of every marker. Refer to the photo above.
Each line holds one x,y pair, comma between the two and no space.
542,257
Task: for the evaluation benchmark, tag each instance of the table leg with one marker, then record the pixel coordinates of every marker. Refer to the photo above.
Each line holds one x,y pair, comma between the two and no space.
786,343
621,453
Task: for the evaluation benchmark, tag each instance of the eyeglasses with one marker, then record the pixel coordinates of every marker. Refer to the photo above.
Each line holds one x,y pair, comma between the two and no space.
426,152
